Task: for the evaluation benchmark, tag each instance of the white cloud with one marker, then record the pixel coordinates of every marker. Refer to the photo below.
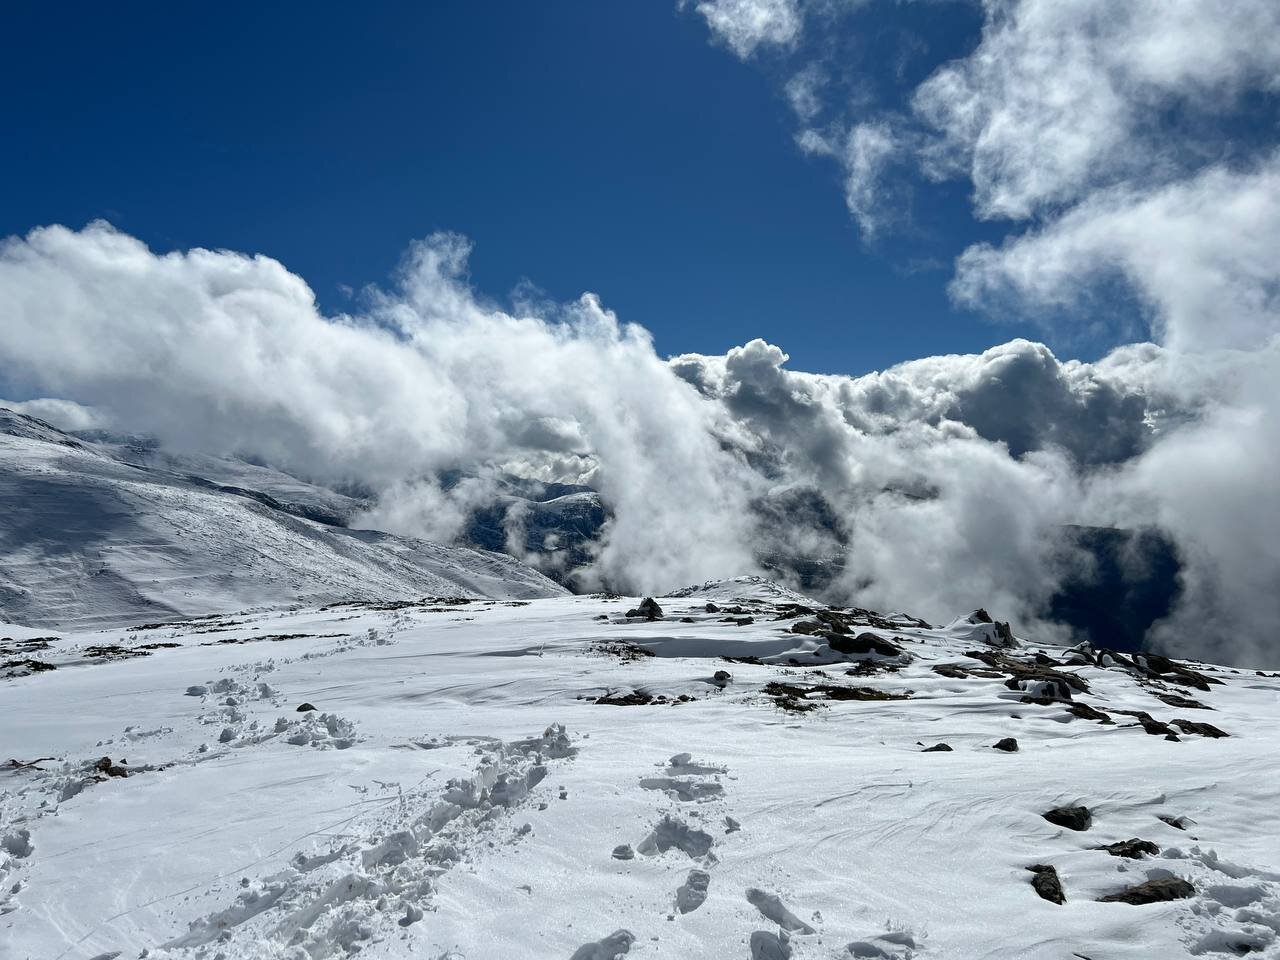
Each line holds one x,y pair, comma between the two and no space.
63,414
1060,98
225,352
1201,253
747,25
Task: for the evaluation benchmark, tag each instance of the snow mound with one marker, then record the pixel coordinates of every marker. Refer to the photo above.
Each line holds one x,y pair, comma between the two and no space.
745,588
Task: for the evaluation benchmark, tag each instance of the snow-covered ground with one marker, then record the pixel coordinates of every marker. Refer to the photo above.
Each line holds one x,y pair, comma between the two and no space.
459,791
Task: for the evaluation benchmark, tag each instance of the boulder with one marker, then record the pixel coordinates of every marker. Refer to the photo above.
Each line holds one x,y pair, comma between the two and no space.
1153,891
648,610
1073,818
1045,882
1134,849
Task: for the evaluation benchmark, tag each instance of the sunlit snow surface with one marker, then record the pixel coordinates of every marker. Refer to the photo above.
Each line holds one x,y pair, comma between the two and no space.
458,793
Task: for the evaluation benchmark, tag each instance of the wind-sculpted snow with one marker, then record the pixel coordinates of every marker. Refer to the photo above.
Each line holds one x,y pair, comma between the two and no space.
448,779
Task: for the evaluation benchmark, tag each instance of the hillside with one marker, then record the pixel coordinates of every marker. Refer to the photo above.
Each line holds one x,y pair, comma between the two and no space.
94,538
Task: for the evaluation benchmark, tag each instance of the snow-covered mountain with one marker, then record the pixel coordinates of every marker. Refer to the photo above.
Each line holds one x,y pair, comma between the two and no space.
736,773
112,533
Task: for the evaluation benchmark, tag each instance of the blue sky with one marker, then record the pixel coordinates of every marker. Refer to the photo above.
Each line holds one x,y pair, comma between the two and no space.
583,146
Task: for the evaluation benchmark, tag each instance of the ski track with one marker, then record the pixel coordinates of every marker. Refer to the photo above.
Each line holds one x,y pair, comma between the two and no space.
433,805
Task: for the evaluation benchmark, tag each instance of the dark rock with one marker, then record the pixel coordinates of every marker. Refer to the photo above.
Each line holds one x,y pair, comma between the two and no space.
806,627
1008,744
938,748
648,610
1201,729
711,608
1133,849
1073,818
1045,882
722,677
1154,665
636,698
1086,712
1153,891
1184,703
1150,724
305,707
1061,683
863,643
111,769
802,699
980,616
1178,823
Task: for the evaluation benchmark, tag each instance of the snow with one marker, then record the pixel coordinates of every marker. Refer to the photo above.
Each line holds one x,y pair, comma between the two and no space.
457,791
91,539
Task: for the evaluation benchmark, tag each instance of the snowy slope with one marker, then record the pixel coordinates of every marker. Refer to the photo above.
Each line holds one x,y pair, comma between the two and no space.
461,792
90,539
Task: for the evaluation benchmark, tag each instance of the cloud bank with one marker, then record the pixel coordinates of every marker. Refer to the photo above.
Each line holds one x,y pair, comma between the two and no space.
951,475
1131,151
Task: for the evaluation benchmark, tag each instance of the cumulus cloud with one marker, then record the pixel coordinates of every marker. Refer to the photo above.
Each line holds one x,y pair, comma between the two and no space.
746,25
229,353
1200,253
1059,98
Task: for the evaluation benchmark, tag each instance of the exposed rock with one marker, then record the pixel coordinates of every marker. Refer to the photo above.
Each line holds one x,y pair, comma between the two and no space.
648,610
863,643
1042,684
111,769
711,608
1008,744
1162,668
1133,849
637,698
1086,712
938,748
1151,725
957,671
722,678
1153,891
1178,823
305,707
1045,882
693,892
1184,703
802,699
623,851
1201,729
1073,818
